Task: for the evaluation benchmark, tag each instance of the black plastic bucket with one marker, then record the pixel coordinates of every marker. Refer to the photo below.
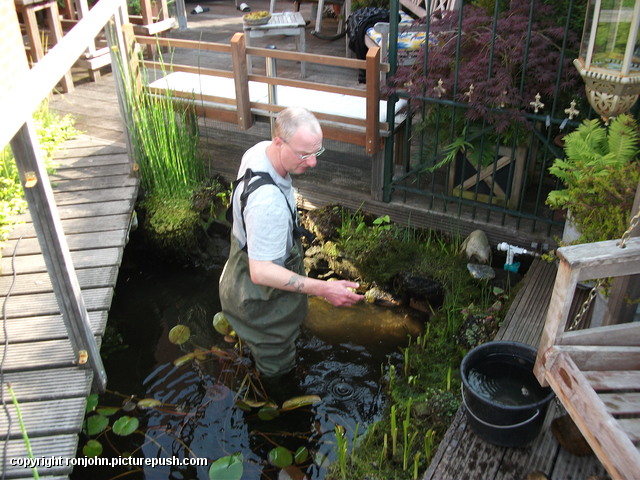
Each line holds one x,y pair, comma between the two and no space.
505,403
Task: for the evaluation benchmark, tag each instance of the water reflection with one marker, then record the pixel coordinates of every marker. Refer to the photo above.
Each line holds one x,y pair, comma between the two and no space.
199,418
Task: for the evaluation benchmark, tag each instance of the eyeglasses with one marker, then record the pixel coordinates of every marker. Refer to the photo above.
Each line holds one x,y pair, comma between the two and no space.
306,155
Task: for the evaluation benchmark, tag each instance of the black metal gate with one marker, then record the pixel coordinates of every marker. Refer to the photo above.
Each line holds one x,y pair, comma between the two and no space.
488,97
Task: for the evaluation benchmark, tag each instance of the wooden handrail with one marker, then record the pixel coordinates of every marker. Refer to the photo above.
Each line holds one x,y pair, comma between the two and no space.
370,127
36,84
17,128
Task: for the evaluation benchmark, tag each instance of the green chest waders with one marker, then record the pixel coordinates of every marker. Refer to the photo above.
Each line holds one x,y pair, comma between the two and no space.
266,319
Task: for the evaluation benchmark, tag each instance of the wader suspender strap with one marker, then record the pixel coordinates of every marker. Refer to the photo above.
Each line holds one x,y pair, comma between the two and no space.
249,188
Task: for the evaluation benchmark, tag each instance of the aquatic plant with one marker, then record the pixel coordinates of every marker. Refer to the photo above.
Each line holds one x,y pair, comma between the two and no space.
165,140
23,430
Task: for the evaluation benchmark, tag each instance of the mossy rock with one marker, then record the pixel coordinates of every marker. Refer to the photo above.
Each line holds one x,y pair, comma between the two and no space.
324,222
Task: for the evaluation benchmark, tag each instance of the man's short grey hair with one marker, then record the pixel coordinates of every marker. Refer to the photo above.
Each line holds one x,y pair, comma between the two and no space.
290,119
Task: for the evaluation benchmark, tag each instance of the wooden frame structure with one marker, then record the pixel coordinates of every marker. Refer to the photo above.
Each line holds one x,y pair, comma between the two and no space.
595,372
364,128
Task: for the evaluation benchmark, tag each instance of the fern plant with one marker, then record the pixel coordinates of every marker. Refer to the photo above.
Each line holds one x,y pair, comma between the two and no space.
601,173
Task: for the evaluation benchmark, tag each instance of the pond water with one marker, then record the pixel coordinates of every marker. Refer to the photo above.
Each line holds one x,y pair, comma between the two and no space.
198,416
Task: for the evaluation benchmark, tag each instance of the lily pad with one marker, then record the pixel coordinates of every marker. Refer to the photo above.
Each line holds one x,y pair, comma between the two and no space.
125,426
96,424
268,412
280,457
221,324
301,401
178,362
179,334
254,403
301,455
227,468
93,448
107,411
149,403
92,402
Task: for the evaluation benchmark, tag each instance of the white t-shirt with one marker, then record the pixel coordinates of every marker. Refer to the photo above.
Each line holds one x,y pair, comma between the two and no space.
267,215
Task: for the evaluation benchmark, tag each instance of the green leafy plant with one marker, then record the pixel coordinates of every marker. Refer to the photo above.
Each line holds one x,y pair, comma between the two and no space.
52,131
600,173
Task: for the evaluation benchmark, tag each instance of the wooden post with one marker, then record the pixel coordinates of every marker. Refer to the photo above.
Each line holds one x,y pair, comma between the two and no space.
126,70
373,100
619,309
557,315
56,253
241,79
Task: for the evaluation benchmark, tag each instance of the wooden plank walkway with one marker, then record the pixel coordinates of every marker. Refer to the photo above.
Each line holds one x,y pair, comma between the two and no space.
95,194
463,455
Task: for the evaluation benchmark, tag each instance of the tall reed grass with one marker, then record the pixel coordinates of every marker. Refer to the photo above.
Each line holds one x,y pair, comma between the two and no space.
165,137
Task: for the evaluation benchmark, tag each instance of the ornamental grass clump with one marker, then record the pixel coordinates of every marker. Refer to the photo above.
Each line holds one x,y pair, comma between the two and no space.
165,136
165,140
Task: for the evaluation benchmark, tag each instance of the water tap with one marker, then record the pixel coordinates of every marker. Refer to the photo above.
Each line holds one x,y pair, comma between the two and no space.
512,251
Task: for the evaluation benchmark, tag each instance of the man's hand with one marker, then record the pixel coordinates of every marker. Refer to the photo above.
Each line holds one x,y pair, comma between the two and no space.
336,292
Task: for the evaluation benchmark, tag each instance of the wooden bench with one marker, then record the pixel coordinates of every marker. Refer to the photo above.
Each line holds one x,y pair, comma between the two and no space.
595,372
353,115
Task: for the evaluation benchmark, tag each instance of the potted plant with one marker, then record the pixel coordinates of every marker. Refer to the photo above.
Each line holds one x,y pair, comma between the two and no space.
600,173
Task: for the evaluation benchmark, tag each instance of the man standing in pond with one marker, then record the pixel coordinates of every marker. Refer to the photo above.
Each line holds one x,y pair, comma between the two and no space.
263,287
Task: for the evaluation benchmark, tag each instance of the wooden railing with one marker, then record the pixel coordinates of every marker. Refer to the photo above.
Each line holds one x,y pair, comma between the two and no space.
17,128
361,125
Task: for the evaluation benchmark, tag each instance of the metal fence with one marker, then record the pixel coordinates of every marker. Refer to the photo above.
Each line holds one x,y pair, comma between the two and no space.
489,97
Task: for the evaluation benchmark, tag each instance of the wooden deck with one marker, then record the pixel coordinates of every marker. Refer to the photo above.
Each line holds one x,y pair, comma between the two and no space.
463,455
95,195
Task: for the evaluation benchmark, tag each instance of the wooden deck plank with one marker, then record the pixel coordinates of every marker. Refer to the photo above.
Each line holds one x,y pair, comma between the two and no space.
102,257
39,304
74,185
91,172
47,327
48,447
78,241
41,282
38,355
45,385
84,210
87,196
51,417
519,323
81,160
78,225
